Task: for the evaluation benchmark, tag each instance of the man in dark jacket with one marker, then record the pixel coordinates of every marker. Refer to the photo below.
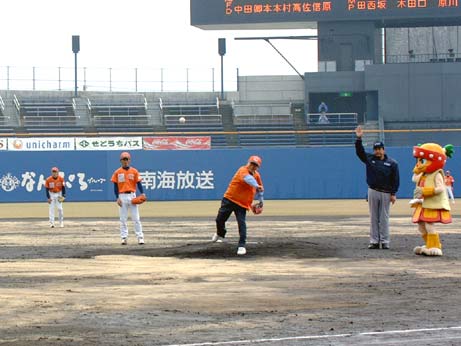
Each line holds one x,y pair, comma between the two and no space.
383,182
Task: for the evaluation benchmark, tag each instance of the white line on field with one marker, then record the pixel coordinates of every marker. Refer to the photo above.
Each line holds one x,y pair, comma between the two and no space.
307,337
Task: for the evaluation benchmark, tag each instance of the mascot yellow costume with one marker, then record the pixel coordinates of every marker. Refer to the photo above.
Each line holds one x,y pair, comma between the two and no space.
430,196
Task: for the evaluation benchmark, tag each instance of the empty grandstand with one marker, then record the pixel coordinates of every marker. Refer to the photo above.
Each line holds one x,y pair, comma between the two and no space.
201,117
46,113
118,112
404,133
264,124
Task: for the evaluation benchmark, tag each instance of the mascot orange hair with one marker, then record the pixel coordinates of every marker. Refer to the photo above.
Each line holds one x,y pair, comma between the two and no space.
430,196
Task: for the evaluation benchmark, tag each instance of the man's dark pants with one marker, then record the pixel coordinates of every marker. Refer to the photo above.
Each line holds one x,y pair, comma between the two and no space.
226,209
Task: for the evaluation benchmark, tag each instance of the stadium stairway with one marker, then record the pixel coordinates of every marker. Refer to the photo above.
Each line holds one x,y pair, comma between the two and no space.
13,122
159,128
82,114
228,125
300,124
370,137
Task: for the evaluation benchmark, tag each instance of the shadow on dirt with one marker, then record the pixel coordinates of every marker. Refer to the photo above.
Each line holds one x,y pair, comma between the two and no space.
345,247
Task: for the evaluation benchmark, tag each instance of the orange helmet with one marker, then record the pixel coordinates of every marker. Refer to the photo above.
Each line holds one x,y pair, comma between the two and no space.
256,160
125,154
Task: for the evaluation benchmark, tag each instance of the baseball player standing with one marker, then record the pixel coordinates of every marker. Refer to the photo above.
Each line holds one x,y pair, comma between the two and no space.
245,186
126,179
449,182
55,189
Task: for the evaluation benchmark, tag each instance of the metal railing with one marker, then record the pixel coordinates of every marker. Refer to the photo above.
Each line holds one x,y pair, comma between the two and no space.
194,113
49,121
422,58
16,103
117,79
120,121
273,119
262,109
381,128
192,119
187,107
334,119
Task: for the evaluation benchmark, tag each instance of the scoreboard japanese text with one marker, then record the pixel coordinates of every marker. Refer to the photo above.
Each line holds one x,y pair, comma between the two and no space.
229,13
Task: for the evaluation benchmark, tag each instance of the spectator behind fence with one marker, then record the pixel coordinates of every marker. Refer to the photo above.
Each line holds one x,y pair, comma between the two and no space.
323,108
323,119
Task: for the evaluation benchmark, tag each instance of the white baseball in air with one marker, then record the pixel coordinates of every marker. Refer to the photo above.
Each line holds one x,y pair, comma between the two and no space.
182,120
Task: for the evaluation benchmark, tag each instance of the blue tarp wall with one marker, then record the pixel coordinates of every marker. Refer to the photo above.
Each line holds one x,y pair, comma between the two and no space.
288,173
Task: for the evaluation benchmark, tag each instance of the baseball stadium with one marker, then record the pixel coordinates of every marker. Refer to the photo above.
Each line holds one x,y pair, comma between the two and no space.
388,76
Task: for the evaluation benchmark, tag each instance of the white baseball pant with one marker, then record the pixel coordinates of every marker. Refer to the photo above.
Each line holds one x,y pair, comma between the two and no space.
126,198
55,204
450,193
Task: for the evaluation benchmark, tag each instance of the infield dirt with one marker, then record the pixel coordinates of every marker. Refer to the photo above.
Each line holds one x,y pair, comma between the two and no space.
306,273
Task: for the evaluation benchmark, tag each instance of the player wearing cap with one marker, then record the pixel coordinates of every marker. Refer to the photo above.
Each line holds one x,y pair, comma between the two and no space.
383,181
126,179
245,186
449,181
55,190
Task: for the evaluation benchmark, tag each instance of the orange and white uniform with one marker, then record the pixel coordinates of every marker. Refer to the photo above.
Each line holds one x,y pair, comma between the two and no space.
54,188
449,181
126,181
54,185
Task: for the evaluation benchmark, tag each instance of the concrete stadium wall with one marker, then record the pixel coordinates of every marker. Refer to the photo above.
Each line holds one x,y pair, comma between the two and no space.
416,92
270,89
288,173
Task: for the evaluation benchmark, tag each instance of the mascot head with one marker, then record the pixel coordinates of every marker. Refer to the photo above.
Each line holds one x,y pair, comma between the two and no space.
430,157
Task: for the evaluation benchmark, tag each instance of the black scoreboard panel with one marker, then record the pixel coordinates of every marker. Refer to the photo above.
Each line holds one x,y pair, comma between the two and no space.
236,14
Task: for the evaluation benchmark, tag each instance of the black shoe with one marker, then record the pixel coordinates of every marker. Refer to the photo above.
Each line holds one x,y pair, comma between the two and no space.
385,246
373,246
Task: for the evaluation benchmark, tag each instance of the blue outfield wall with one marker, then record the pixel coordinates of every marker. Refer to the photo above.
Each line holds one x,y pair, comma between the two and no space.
288,173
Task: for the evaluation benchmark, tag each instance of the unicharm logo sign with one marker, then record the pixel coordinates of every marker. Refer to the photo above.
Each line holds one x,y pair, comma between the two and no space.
41,144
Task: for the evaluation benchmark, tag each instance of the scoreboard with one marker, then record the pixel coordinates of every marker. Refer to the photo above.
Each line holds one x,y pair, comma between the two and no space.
255,14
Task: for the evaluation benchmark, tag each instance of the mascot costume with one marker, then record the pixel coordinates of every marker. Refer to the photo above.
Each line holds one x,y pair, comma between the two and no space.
430,196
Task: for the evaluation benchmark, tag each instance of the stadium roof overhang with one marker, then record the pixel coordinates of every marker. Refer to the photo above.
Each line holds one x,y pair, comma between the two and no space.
259,26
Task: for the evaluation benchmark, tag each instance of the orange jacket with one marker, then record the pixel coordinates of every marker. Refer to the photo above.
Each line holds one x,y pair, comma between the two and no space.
239,191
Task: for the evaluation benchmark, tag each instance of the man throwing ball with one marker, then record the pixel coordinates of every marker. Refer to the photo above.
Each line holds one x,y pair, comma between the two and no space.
245,186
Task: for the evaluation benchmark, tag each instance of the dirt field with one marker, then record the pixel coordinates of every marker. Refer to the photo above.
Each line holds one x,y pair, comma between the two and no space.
307,279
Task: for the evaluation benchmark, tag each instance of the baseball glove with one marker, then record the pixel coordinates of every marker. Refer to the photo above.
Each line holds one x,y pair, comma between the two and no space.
139,200
61,199
257,208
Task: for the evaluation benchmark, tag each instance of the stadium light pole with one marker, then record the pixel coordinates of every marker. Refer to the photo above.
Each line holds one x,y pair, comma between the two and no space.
222,52
75,49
